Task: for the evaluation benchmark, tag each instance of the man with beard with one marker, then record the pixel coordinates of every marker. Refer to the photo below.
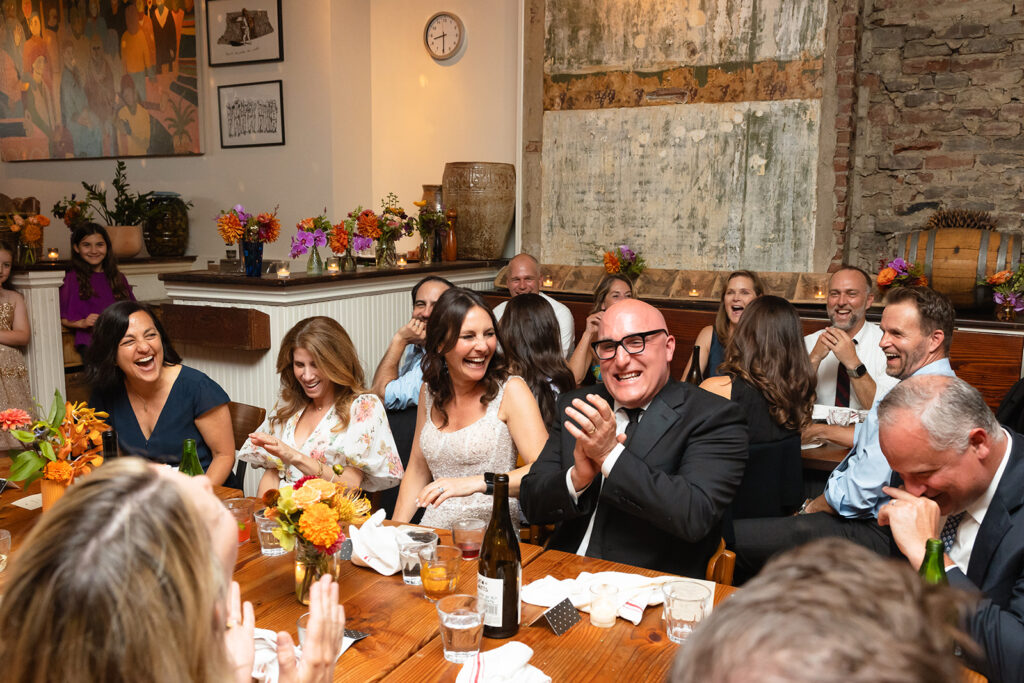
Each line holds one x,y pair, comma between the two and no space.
846,355
917,331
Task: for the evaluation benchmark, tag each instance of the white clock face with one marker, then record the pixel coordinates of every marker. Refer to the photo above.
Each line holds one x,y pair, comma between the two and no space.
443,35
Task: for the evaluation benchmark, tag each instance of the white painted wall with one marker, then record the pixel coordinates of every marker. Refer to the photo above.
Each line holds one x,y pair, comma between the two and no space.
366,112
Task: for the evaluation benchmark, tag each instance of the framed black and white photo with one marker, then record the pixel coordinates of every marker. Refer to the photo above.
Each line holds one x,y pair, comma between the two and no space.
243,32
251,114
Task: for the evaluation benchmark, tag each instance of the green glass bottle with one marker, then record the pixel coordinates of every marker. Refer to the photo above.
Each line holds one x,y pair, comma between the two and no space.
933,569
190,459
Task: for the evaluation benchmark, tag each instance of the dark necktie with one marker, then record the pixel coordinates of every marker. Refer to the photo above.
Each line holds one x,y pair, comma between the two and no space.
842,387
634,417
949,530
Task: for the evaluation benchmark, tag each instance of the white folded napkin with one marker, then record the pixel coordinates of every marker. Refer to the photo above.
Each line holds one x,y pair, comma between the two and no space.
264,664
375,545
510,662
636,592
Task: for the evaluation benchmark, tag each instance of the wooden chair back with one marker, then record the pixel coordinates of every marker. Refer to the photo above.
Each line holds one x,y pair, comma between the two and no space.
244,420
721,565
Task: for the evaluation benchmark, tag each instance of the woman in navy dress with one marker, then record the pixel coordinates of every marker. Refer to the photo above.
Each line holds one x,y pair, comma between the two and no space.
154,401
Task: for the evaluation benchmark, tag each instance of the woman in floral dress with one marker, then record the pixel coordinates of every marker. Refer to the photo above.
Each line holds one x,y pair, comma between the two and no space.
326,423
14,331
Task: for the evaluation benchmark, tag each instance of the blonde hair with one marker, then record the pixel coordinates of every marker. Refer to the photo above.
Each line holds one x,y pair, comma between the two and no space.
335,356
117,582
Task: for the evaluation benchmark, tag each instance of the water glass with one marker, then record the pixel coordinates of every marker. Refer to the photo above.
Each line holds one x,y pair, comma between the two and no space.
5,548
462,626
241,509
604,605
684,607
439,570
269,545
468,536
409,554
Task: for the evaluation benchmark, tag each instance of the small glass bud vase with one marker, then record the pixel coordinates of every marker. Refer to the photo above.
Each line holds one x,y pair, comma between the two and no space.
310,565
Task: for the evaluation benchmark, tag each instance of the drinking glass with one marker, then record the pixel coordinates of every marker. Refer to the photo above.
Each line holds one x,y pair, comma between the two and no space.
468,536
5,548
604,605
269,545
684,607
409,554
302,625
462,626
241,509
439,570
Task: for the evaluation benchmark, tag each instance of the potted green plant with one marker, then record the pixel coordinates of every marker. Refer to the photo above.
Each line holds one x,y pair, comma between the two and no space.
124,220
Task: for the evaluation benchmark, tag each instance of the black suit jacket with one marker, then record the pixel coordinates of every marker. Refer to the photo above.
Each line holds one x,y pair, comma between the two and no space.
661,507
997,569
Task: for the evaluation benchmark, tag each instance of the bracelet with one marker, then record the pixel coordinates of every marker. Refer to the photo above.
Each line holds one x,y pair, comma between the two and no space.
803,508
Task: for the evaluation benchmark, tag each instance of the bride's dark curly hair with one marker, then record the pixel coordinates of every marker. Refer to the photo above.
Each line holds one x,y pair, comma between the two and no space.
443,329
767,350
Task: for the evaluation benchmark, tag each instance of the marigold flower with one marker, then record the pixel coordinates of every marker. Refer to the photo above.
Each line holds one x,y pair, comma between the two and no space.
59,471
886,276
1000,277
611,264
319,525
12,418
32,233
367,226
229,227
339,239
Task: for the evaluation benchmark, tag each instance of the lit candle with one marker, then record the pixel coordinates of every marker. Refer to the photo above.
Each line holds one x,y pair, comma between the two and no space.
548,282
53,254
401,262
820,294
694,292
333,265
283,272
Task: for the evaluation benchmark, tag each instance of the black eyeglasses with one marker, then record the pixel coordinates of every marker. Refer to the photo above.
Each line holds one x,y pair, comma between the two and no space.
605,349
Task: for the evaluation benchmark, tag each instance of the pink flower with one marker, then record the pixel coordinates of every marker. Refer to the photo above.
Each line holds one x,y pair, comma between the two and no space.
12,418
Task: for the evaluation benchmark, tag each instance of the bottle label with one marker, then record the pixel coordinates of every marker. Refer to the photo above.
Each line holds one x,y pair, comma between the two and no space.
489,593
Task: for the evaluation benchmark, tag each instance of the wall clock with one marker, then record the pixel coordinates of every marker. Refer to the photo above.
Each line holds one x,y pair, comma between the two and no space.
443,35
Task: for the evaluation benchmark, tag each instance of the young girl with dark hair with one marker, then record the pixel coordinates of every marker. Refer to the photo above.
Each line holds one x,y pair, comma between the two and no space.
92,284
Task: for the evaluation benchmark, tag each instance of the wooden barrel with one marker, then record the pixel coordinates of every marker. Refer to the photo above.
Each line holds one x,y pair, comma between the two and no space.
954,259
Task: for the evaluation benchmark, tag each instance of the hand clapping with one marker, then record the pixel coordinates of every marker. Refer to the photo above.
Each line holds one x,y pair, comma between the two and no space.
592,423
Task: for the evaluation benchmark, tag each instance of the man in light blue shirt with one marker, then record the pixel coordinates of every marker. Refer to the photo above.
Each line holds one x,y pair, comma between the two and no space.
917,331
399,374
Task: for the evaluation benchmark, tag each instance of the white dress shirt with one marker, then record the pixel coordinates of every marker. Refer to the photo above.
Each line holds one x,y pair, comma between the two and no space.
970,523
621,421
870,354
563,315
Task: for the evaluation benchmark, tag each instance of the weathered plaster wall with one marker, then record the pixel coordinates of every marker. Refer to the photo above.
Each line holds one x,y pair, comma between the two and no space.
690,129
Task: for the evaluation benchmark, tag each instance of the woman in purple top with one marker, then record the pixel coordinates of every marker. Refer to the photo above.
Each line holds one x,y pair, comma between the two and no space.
92,284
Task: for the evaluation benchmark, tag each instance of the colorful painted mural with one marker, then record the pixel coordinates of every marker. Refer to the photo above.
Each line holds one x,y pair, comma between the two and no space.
97,78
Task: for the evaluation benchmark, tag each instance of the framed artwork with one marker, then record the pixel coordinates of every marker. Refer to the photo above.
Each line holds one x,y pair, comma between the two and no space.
243,32
251,114
98,80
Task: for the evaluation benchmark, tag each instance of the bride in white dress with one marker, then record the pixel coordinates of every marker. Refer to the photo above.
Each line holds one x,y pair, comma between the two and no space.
472,418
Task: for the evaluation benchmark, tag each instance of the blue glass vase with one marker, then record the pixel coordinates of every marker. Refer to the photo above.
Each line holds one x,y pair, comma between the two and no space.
252,255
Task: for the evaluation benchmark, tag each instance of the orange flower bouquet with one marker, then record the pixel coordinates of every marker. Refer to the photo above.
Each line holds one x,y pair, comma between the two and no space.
312,516
899,273
624,260
67,444
29,230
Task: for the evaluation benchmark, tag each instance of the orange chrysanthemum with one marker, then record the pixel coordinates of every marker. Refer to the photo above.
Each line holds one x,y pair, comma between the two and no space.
59,471
12,418
229,227
270,227
367,226
1000,277
921,282
886,276
319,524
339,239
32,232
611,264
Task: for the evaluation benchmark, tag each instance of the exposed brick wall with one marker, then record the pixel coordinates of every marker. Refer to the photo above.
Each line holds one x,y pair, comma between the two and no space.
940,104
845,125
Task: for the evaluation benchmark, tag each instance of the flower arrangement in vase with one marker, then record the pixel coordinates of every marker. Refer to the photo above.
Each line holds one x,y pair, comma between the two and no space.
73,212
899,273
385,228
65,445
312,516
346,239
1007,292
250,232
312,233
429,223
29,230
624,260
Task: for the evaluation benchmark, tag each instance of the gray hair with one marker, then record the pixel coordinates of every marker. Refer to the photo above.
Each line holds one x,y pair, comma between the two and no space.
828,612
947,407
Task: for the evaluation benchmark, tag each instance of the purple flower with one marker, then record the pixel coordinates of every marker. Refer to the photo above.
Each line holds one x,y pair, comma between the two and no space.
359,243
899,265
627,253
318,238
242,215
299,245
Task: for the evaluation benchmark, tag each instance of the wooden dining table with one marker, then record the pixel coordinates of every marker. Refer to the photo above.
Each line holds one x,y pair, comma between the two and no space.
404,642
